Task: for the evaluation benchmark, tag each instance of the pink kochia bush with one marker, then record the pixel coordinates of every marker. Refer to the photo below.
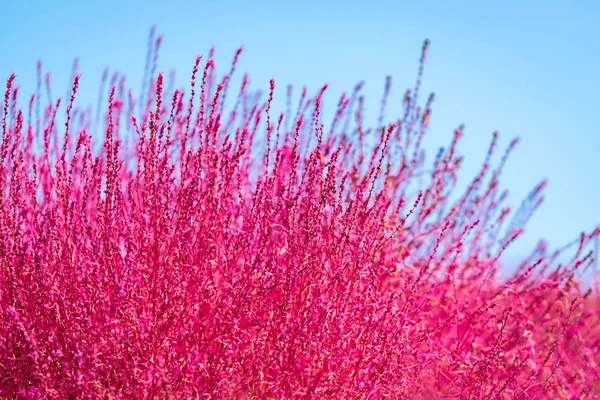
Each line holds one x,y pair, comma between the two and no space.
207,251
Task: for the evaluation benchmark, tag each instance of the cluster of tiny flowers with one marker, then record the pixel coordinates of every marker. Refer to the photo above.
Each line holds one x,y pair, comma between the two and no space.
216,250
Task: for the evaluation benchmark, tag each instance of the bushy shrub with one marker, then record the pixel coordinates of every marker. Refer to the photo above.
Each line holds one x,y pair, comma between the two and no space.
207,251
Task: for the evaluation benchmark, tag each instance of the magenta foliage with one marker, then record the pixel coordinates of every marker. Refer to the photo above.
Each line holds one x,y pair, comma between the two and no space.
208,251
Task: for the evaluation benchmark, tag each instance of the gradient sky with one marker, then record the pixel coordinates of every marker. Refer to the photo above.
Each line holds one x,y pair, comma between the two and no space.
524,68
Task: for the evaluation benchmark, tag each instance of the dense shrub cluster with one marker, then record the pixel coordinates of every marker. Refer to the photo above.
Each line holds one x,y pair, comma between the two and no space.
207,251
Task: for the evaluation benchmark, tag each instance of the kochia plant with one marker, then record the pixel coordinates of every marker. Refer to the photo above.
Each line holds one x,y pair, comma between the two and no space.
215,251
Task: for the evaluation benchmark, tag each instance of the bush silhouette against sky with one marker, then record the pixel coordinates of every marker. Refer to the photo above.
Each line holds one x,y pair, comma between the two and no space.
526,69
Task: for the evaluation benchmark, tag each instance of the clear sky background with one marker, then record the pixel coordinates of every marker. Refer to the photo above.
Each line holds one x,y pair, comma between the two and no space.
524,68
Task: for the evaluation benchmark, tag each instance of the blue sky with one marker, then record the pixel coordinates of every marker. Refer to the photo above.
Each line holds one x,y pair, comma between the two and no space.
524,68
